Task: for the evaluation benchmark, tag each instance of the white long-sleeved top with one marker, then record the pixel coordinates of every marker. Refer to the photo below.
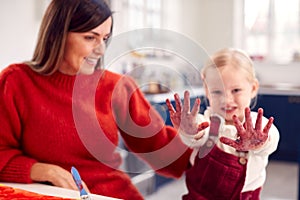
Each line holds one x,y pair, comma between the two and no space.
257,160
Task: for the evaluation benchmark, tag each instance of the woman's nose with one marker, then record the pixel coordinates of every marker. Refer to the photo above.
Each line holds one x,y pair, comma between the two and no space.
100,49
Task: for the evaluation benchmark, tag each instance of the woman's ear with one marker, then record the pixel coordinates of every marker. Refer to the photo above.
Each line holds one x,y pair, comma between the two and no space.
255,87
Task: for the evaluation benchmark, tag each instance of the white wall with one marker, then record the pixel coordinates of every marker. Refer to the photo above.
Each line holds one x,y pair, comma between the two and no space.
19,22
209,22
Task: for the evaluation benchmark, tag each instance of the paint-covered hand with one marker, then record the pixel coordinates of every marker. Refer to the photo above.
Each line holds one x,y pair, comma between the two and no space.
185,119
249,137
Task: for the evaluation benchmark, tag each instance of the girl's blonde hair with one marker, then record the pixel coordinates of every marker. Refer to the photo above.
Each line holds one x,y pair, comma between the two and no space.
233,57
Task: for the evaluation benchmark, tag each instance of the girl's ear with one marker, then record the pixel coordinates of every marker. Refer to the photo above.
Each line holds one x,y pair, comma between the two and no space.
255,87
207,93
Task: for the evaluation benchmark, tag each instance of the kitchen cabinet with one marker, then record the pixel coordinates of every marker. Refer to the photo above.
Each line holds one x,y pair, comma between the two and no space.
285,109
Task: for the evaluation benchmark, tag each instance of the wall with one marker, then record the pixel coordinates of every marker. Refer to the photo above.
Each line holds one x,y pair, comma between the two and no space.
19,22
208,22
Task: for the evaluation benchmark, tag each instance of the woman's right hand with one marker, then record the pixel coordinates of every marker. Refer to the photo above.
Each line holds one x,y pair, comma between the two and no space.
42,172
184,119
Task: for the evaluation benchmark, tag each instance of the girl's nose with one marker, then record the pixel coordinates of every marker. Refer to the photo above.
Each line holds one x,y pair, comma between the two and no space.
228,98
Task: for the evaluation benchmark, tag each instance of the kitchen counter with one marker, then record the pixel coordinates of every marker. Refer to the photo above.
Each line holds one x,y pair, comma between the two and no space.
280,89
161,98
276,89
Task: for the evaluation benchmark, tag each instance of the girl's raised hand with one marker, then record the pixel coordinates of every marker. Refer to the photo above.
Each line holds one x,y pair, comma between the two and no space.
249,137
184,119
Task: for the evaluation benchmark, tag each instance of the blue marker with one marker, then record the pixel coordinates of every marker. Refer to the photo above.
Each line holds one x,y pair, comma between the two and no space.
83,194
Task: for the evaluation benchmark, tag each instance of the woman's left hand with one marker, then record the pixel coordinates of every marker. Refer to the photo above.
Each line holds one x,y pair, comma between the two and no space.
249,137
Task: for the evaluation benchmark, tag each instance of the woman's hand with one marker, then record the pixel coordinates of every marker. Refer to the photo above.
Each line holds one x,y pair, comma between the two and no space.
249,137
184,119
41,172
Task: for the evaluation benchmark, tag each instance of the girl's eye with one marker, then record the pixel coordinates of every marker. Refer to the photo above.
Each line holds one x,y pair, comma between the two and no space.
216,92
236,90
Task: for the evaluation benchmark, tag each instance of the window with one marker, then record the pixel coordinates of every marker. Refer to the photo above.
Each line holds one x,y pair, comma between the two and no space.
144,13
272,30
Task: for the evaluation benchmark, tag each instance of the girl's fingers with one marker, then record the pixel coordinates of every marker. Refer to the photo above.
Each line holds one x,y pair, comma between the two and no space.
177,102
248,120
268,126
170,106
229,142
238,125
186,102
196,107
258,124
203,126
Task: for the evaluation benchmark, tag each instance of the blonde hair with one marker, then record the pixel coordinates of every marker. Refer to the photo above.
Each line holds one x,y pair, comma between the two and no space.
236,58
233,57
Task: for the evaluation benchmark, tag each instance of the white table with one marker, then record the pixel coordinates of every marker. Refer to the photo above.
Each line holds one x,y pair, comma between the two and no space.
53,191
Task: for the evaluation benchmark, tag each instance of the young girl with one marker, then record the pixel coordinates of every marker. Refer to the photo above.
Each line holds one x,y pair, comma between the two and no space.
234,168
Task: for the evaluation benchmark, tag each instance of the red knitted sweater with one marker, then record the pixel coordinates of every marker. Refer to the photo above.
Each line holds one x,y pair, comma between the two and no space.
76,121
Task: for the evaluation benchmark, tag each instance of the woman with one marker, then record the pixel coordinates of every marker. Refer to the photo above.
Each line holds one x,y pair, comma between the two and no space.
60,109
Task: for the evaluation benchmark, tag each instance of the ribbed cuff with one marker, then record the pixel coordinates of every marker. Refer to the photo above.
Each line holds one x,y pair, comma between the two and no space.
190,140
17,170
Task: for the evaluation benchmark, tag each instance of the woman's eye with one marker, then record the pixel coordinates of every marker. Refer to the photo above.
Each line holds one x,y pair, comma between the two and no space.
91,38
106,39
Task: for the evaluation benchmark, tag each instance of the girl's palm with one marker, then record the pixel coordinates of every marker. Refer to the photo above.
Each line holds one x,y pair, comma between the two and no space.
249,137
181,116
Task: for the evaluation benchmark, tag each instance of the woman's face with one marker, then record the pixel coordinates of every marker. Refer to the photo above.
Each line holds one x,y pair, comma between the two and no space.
83,50
229,91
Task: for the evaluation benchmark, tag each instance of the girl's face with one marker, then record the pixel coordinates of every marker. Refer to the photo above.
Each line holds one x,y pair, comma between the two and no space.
83,50
229,91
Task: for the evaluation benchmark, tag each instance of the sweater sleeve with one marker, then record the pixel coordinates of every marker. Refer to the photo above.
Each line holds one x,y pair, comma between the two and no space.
145,133
14,165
